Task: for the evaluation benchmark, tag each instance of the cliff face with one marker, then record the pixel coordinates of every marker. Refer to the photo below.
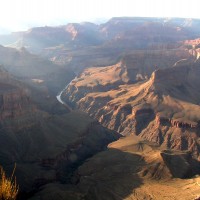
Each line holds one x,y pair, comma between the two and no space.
163,109
14,103
17,110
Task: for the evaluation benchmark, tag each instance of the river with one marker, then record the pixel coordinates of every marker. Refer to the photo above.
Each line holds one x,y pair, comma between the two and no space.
61,92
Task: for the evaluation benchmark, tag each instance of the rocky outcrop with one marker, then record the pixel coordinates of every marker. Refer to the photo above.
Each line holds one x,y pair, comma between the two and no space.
157,109
180,164
176,123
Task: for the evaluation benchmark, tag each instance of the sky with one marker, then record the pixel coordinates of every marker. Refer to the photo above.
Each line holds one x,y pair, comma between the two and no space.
16,15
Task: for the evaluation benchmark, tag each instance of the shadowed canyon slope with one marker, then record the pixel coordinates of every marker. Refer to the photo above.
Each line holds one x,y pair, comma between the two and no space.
39,134
130,169
35,70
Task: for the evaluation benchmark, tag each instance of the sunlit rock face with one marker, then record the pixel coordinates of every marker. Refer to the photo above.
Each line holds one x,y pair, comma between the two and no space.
163,108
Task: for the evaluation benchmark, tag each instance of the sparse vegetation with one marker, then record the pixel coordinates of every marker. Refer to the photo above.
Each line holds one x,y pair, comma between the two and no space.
8,186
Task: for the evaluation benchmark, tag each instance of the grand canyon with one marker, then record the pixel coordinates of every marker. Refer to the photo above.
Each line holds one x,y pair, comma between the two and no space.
105,111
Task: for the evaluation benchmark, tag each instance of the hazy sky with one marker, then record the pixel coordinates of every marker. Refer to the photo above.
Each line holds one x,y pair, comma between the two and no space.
23,14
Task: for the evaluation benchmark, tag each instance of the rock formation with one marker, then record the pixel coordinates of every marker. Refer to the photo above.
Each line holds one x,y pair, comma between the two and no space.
157,109
135,76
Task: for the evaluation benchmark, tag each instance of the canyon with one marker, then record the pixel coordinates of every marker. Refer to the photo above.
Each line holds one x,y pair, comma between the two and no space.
109,111
157,108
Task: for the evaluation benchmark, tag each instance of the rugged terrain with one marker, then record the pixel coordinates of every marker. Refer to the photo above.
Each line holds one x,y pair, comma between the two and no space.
84,45
163,108
138,77
39,134
130,168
